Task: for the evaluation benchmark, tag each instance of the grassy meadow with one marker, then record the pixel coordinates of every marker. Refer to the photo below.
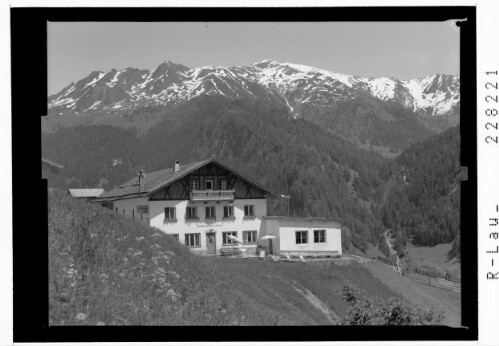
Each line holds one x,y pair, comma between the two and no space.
106,269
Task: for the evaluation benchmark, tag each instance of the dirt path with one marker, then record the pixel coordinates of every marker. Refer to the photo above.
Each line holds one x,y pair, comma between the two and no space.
389,243
319,304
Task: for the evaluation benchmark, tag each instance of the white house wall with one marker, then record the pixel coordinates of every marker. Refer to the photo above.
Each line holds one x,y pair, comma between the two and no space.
271,227
183,226
287,237
128,206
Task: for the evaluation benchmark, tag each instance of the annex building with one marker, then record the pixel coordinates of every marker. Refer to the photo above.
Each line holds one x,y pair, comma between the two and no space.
209,207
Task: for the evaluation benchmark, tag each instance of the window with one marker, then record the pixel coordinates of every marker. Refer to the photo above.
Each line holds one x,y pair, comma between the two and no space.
228,212
194,185
170,214
226,240
249,237
123,211
133,213
210,213
175,236
222,184
320,236
116,209
249,211
301,237
143,209
208,184
192,240
191,213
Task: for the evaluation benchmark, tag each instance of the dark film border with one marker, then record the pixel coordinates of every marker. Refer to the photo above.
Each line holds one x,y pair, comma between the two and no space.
30,236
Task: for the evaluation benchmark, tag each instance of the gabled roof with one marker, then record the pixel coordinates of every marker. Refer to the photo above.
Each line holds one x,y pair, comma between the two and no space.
86,193
157,180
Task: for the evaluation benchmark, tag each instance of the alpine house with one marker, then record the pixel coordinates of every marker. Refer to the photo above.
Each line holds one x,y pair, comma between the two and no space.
211,208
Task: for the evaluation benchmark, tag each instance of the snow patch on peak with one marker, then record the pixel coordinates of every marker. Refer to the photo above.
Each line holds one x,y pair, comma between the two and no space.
95,80
266,61
382,88
93,106
113,81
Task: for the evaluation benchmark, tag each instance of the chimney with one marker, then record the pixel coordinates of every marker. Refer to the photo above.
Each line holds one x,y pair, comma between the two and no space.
141,180
176,165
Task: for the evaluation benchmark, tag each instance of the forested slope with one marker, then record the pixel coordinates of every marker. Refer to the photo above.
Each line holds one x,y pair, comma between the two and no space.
325,175
426,206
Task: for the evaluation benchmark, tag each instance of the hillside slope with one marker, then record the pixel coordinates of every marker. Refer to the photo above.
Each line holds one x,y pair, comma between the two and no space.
105,269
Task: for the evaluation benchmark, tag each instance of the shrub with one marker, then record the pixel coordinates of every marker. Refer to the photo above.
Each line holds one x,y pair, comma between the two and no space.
365,310
429,270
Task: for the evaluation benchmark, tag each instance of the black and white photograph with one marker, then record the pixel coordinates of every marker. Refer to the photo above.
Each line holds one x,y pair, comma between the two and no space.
253,173
268,173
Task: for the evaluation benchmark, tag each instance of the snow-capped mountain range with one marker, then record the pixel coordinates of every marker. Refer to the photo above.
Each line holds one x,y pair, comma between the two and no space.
122,91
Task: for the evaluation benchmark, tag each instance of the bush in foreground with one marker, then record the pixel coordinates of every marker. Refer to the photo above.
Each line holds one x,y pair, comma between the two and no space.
364,310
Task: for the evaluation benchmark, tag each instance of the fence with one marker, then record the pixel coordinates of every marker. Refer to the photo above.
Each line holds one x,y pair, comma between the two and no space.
436,282
453,285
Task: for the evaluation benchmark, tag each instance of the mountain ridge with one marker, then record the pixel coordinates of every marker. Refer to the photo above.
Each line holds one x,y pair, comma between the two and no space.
119,91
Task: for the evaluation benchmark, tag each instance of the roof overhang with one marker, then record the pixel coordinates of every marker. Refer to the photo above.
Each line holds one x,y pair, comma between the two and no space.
298,218
154,189
213,160
115,198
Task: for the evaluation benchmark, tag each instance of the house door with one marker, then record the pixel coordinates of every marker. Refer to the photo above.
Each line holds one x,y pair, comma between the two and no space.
211,247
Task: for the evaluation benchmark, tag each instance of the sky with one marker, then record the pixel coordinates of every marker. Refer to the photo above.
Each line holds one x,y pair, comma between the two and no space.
404,50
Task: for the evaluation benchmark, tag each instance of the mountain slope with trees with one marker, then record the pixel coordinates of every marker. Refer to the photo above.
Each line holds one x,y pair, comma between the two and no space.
325,174
425,204
382,114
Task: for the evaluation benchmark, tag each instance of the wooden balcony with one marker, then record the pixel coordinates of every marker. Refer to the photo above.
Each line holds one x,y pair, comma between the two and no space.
212,195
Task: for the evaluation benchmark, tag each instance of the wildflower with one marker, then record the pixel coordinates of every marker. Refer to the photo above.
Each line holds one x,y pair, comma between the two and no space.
171,272
139,238
81,316
156,235
156,246
173,295
100,323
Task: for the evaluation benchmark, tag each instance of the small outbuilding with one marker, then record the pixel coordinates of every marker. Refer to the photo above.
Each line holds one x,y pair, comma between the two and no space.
86,193
306,236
